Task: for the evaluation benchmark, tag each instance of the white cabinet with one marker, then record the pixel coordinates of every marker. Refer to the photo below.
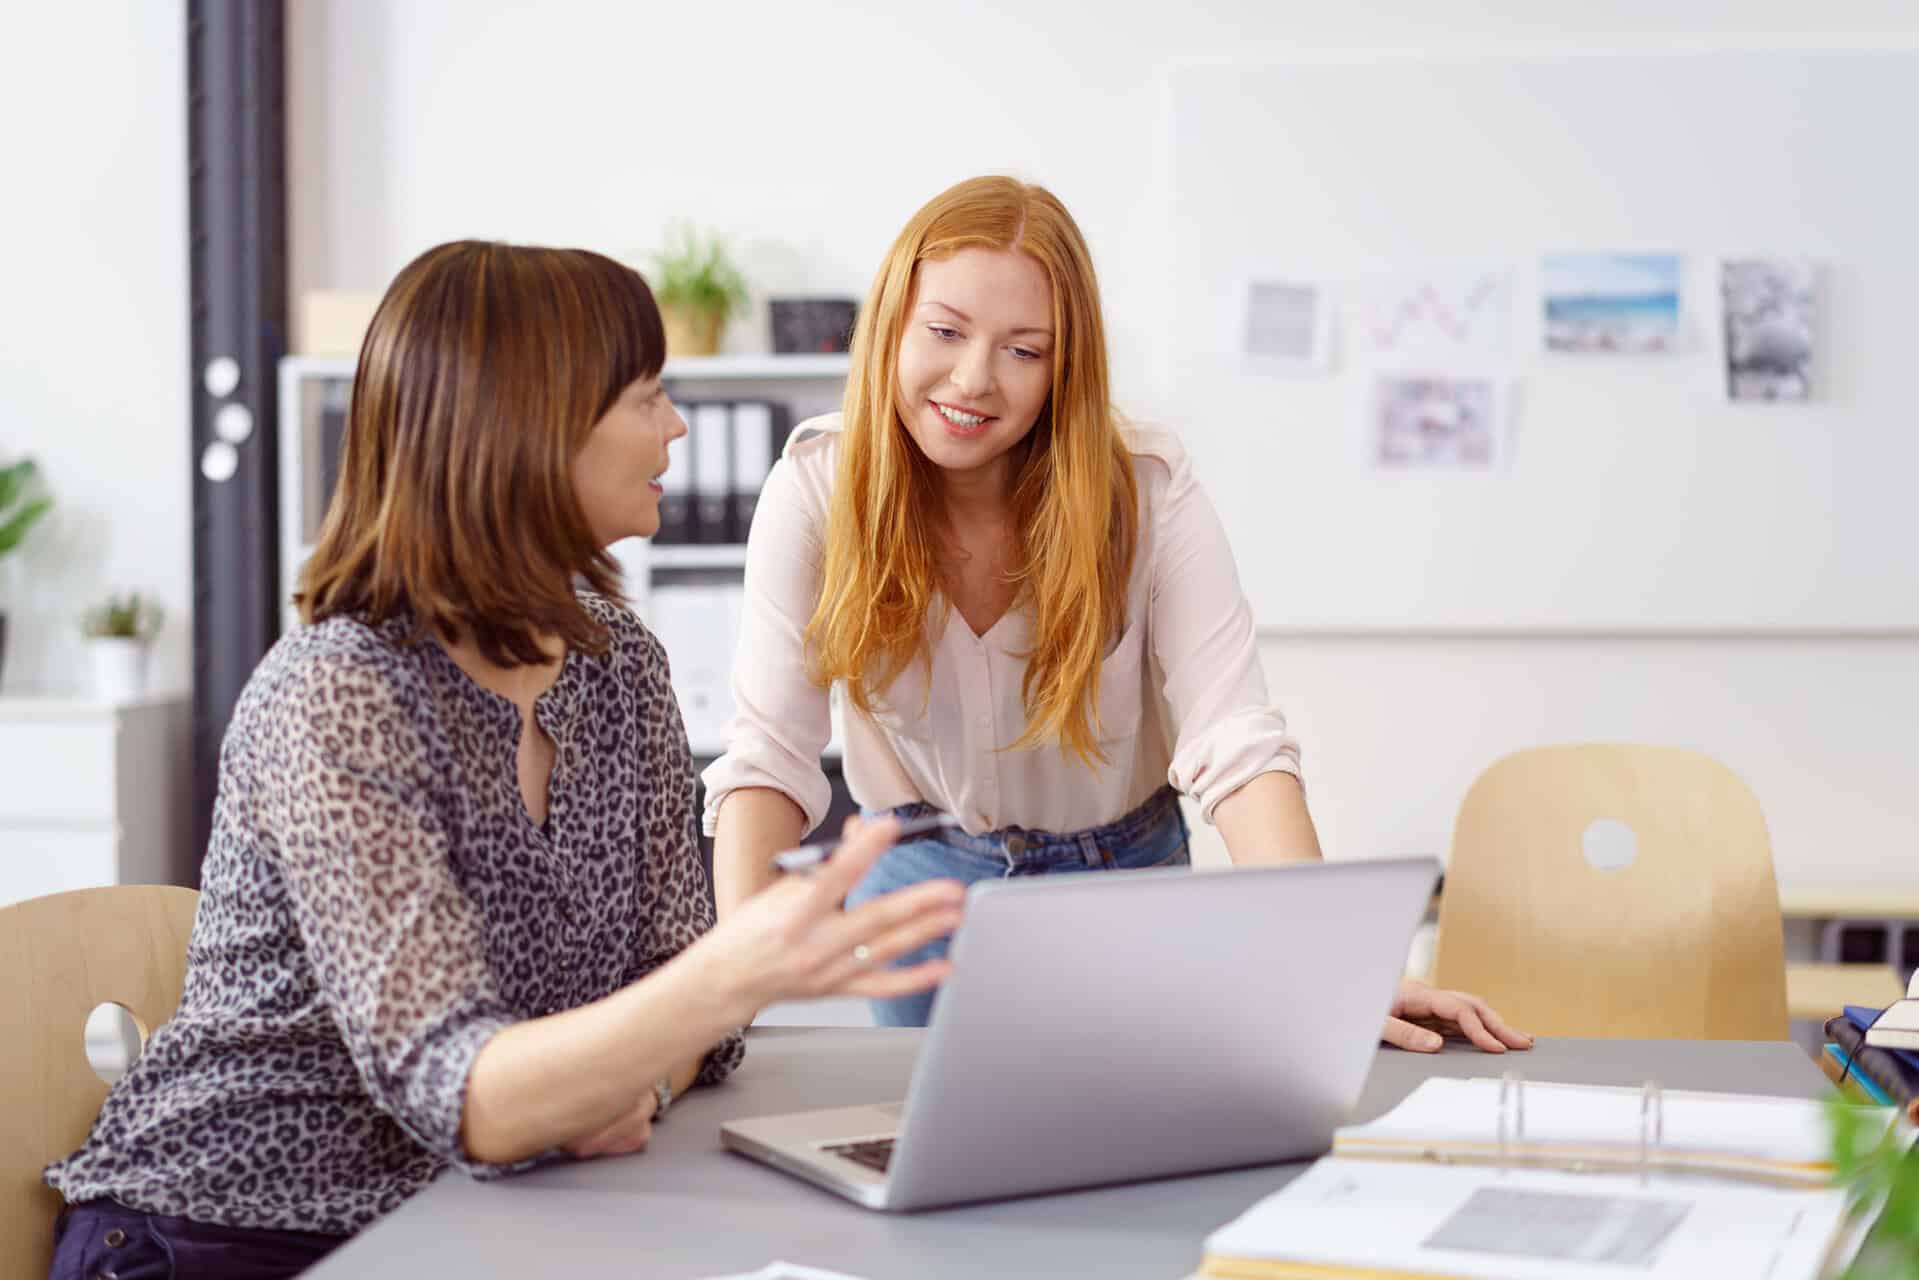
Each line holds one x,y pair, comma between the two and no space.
93,793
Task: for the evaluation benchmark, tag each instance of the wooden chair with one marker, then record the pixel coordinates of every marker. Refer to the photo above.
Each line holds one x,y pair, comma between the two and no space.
64,955
1685,942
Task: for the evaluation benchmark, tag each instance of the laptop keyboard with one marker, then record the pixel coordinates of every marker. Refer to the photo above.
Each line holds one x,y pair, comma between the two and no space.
875,1153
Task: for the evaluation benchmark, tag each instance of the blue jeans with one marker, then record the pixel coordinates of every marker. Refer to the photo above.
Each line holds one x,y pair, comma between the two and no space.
105,1238
1153,835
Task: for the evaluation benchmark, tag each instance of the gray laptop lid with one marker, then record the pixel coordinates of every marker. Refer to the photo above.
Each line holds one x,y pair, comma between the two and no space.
1104,1028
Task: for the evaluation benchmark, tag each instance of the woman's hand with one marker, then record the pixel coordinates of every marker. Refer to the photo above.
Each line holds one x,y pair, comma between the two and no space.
627,1134
1424,1017
792,941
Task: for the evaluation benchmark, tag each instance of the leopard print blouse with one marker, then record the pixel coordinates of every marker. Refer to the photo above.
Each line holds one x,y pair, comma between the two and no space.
376,902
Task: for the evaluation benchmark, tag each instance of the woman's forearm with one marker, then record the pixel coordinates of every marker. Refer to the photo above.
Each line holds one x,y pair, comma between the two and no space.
754,824
549,1081
1265,822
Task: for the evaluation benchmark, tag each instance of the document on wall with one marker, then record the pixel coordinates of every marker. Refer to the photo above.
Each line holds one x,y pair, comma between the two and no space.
1435,1220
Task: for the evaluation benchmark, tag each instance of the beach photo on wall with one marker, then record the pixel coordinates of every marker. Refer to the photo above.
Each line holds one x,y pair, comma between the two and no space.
1612,302
1769,316
1436,421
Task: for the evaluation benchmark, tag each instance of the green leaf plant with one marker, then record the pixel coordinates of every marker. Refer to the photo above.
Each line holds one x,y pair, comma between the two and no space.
21,502
1877,1169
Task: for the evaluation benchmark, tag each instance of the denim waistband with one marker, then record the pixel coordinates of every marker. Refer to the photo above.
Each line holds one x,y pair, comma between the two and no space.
1021,846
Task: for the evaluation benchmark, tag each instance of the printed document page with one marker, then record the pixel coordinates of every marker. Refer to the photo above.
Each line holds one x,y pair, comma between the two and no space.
1483,1222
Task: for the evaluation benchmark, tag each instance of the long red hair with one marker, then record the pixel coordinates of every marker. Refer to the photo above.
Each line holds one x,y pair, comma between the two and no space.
1074,500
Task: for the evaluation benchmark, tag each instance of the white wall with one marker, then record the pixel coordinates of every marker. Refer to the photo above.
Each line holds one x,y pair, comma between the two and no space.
809,138
93,322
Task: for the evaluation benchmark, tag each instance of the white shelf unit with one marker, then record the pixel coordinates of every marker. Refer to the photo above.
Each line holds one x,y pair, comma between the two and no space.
729,556
701,633
313,400
93,793
760,368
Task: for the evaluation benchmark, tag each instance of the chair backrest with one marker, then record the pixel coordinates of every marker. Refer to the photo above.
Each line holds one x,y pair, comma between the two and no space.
1683,942
63,956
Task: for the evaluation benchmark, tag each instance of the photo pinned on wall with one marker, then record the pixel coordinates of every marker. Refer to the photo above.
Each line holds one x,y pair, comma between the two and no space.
1286,326
1613,302
1440,314
1769,310
1419,421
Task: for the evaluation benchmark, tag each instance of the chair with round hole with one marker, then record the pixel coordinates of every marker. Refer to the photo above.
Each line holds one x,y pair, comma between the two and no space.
1615,891
64,955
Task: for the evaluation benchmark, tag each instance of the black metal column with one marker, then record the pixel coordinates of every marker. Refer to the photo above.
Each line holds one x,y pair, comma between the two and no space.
236,194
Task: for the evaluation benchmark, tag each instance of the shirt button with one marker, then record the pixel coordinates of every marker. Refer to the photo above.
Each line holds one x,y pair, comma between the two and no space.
116,1238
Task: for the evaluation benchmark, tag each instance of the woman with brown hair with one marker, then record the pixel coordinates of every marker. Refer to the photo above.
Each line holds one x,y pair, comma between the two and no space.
453,911
1026,600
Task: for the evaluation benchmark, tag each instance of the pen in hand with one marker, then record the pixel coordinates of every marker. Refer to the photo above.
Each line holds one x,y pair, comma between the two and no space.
807,856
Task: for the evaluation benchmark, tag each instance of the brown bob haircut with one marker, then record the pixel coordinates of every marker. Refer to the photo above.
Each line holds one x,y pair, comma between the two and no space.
484,369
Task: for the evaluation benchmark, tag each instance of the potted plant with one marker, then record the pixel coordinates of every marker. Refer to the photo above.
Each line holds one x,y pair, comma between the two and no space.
1882,1176
119,631
21,506
698,287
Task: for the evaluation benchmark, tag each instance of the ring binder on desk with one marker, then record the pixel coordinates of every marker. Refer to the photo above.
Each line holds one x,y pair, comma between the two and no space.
1511,1085
1469,1177
1512,1121
1590,1129
1652,1114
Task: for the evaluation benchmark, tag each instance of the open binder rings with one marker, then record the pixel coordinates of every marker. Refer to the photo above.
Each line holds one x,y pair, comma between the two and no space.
1644,1152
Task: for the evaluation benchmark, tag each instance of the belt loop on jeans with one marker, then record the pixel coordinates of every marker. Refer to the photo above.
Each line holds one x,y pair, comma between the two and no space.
1013,848
1089,849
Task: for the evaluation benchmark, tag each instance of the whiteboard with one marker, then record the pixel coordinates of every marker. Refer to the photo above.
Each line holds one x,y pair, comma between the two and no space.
1635,495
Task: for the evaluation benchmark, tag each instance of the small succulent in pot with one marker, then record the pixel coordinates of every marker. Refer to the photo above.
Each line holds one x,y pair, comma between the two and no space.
123,615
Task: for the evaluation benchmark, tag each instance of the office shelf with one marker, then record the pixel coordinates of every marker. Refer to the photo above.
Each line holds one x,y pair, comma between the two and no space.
692,556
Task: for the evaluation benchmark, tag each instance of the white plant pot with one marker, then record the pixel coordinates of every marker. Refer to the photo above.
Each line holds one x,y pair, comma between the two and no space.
119,667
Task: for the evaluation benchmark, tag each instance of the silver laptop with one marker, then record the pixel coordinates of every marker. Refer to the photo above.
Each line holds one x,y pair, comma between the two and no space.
1108,1028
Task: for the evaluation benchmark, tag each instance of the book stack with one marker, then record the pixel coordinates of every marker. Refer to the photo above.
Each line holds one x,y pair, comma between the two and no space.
1873,1054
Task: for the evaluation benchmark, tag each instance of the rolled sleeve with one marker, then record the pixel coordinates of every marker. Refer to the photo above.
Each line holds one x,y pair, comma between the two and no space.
397,947
783,720
1226,729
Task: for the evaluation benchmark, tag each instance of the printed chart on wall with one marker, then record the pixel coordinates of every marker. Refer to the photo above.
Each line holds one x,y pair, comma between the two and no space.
1606,342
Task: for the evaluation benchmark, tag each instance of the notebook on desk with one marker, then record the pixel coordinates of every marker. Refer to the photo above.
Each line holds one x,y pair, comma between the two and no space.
1889,1077
1898,1026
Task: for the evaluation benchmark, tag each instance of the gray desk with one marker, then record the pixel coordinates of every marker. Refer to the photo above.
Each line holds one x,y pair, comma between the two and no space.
685,1208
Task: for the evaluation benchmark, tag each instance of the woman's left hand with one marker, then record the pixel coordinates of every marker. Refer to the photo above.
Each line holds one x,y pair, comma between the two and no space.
1424,1017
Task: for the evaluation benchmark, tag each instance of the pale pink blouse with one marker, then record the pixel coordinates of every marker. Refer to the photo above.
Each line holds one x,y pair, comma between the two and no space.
1182,698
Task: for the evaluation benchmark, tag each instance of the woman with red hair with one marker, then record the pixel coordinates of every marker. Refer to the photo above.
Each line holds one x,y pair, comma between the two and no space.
1026,602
